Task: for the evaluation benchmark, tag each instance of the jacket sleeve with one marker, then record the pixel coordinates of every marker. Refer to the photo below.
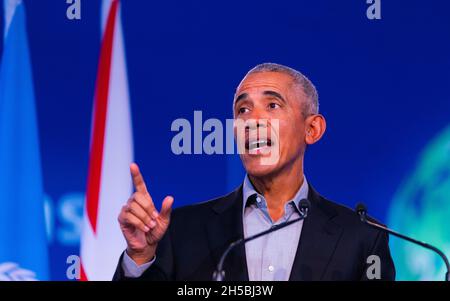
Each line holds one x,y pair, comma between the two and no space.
378,262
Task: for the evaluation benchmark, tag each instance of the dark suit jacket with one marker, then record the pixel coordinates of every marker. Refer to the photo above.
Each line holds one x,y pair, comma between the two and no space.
334,243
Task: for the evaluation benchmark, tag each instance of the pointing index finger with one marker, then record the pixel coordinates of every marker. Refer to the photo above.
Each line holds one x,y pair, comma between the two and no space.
138,180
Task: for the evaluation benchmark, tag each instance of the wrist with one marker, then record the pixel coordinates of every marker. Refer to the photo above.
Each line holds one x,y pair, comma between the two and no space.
142,256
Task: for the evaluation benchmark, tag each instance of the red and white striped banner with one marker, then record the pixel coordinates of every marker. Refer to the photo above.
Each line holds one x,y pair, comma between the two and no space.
109,184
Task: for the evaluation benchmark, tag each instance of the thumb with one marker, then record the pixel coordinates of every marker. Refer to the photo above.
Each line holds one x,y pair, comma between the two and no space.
166,207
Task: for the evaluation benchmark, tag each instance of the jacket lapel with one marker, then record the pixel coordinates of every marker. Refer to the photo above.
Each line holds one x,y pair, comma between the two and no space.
226,226
318,240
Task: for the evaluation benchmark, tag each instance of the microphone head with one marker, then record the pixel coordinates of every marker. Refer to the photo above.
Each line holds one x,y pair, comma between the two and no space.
304,206
361,208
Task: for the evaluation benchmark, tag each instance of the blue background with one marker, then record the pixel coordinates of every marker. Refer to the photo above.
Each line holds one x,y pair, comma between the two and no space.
383,87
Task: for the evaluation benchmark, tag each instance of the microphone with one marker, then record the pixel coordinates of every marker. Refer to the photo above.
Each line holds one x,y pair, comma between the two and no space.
219,274
361,210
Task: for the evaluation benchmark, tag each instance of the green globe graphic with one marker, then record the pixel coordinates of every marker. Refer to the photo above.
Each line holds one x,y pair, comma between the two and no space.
421,209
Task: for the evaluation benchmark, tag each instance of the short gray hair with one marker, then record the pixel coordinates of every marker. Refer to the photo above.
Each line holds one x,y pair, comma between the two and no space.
312,104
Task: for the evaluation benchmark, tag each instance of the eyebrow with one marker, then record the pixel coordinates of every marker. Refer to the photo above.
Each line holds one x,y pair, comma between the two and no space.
274,94
240,97
267,93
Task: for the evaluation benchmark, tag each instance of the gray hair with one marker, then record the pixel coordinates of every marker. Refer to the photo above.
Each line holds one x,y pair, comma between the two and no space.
312,104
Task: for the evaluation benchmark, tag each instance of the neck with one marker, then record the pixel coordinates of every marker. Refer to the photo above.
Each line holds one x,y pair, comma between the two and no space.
279,188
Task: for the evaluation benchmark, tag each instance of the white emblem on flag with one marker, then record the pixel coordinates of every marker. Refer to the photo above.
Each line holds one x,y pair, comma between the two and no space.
10,271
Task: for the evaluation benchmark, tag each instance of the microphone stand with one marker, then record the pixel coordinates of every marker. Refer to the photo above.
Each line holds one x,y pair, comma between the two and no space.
219,274
362,212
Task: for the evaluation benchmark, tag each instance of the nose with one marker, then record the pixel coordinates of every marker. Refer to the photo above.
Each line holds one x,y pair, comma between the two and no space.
254,124
256,119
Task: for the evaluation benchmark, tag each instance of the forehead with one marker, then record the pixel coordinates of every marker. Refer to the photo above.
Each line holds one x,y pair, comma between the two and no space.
277,81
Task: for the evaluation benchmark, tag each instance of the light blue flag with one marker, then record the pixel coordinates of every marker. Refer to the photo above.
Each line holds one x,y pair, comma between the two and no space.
23,242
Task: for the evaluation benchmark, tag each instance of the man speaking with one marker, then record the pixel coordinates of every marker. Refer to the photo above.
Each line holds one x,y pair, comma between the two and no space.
330,244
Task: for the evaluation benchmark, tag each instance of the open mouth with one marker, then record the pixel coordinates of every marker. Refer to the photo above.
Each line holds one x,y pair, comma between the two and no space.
258,144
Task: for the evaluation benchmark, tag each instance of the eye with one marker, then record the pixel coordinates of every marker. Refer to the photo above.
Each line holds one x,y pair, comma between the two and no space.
274,105
242,110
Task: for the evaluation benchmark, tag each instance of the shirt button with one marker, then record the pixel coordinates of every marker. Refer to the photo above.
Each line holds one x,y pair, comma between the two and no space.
271,268
258,199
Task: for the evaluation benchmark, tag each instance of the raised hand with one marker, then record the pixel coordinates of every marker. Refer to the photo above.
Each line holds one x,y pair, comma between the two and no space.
141,224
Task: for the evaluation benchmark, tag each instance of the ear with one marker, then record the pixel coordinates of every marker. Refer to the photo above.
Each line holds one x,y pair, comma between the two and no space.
315,126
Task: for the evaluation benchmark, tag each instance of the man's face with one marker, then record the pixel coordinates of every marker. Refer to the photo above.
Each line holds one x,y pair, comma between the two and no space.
274,103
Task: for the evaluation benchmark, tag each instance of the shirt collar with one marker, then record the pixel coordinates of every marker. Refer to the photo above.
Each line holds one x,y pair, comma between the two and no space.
248,190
